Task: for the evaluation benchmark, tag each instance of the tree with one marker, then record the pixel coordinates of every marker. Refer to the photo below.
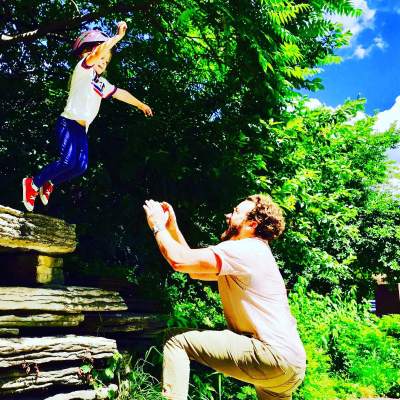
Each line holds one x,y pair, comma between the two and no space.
220,76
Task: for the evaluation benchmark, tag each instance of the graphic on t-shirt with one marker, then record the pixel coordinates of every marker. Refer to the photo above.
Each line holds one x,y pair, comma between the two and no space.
98,87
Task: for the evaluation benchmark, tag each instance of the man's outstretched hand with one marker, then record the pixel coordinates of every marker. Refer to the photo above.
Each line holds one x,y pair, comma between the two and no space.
156,215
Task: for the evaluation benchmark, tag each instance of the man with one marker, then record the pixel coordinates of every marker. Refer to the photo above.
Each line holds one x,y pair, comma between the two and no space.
262,345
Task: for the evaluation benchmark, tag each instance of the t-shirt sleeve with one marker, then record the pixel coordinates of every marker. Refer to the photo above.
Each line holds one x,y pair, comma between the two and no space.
109,89
234,257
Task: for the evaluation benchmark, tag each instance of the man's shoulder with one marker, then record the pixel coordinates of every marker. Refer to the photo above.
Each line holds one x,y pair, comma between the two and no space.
245,245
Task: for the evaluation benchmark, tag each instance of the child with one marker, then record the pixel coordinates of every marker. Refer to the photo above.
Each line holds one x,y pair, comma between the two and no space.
87,90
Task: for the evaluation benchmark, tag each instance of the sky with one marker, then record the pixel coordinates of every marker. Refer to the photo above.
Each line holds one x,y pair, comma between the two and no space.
370,66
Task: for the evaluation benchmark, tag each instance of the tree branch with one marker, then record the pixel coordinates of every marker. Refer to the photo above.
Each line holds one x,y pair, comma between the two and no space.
66,25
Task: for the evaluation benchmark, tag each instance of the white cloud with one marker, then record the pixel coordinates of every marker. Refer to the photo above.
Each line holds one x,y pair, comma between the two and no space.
386,118
380,43
357,25
358,117
312,103
361,52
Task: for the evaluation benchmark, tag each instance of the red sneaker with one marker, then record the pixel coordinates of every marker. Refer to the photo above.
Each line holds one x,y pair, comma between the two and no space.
29,193
45,192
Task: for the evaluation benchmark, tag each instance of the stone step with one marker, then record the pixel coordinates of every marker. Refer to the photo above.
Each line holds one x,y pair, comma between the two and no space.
104,323
7,332
27,231
21,382
40,320
71,299
76,395
14,352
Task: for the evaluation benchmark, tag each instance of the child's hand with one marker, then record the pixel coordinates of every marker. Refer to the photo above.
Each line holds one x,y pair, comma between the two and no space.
146,110
122,26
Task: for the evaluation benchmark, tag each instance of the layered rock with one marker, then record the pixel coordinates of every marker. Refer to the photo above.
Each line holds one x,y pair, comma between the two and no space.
42,322
71,299
27,231
40,350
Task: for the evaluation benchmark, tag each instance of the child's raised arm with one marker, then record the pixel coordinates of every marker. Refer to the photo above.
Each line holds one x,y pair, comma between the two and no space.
126,97
105,47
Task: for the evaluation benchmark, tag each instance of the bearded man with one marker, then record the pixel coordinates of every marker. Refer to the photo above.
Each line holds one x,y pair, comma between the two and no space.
262,345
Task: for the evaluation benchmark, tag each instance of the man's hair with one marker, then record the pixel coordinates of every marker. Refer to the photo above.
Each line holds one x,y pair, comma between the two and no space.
268,215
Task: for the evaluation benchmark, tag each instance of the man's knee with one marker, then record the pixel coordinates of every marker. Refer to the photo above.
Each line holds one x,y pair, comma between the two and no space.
174,342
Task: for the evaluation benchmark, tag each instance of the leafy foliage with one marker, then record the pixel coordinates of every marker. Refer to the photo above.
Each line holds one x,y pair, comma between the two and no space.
212,71
134,382
350,352
223,79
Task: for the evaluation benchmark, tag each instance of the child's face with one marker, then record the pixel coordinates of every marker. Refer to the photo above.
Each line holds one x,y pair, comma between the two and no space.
101,65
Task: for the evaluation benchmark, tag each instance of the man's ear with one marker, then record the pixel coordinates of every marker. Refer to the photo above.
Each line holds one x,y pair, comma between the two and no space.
253,224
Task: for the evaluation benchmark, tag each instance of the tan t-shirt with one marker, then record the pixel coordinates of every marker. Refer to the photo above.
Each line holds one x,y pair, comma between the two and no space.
254,297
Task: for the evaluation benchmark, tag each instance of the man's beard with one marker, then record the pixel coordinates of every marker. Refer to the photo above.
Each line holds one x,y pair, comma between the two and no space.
230,233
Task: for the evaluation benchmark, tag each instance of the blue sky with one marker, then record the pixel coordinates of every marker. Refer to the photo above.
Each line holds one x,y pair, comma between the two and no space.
371,63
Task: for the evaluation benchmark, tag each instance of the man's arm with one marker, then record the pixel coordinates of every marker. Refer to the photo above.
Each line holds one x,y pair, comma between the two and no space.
184,259
179,255
204,277
172,224
126,97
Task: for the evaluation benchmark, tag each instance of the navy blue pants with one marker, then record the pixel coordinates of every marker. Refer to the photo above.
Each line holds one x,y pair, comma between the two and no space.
73,161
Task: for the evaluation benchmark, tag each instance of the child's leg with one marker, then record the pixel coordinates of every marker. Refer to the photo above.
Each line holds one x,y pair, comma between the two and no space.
69,150
81,161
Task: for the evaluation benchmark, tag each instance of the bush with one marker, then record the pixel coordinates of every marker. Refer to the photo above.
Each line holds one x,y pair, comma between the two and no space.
132,378
350,352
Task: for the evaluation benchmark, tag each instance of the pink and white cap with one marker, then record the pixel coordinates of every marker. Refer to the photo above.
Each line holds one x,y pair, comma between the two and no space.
87,37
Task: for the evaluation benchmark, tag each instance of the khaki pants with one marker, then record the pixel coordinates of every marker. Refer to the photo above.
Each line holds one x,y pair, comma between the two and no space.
239,356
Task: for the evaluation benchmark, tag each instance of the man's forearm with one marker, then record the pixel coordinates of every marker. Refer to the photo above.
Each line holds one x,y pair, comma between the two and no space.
177,235
184,259
172,250
172,244
204,277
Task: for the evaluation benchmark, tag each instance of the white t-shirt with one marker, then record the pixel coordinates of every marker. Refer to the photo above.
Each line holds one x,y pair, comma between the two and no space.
86,92
254,297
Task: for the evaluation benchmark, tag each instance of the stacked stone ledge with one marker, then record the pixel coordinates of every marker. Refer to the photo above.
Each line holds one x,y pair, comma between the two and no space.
34,302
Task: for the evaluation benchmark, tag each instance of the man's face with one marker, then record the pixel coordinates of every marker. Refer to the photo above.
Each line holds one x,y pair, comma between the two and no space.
237,219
